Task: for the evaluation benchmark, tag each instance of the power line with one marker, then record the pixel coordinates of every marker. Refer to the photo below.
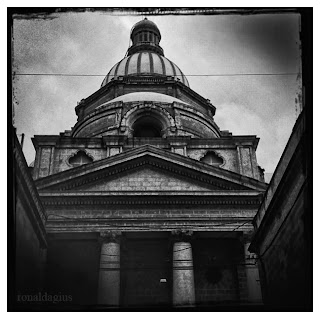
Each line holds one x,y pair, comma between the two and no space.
103,75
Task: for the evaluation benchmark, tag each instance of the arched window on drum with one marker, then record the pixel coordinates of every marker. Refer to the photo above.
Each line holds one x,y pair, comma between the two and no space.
147,126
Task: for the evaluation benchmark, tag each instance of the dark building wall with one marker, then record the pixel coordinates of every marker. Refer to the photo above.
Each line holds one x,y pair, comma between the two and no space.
144,262
284,264
281,233
216,263
73,265
30,254
29,230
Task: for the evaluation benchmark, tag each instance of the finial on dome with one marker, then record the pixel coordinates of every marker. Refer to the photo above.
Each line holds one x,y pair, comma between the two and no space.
145,36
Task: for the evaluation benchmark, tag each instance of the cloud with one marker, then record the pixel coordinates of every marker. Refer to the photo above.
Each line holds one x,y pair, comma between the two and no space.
273,133
91,43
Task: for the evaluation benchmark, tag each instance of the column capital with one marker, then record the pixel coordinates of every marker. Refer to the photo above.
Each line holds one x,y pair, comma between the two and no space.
181,235
110,236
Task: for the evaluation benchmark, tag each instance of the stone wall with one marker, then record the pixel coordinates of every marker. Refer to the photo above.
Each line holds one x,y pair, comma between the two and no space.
282,239
62,155
229,156
30,239
54,158
30,254
285,264
148,179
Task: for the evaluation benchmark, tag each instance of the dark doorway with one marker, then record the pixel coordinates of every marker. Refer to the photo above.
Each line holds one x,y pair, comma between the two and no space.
146,272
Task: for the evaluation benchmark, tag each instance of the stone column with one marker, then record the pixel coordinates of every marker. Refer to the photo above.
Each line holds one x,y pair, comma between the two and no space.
252,274
109,272
183,277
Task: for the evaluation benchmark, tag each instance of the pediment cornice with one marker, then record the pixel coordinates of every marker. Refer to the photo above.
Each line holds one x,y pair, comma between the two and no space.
72,199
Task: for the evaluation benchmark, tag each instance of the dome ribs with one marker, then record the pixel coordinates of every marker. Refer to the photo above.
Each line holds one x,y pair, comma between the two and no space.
132,66
127,65
182,76
116,70
109,76
173,68
168,67
145,59
145,63
151,62
157,66
145,67
139,63
163,66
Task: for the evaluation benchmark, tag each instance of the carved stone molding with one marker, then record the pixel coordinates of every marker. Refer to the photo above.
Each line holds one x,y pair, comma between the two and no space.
133,113
29,183
72,201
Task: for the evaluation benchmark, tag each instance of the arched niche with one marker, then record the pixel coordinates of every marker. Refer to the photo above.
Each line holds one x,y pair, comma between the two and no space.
212,158
80,158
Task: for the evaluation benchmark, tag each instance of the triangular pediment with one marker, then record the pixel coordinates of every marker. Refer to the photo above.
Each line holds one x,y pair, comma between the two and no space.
146,178
147,169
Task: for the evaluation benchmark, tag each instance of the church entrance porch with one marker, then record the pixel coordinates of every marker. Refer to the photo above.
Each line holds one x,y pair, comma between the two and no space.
151,269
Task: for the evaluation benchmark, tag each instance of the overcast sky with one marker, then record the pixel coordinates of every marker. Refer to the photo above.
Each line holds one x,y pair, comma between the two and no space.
91,43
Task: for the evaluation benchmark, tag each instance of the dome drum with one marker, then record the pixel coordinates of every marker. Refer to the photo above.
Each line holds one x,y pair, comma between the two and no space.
145,46
170,116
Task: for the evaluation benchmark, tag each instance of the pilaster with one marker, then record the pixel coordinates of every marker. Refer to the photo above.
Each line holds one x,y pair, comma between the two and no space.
251,272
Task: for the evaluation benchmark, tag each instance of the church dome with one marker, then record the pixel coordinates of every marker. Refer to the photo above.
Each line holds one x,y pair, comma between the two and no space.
145,57
145,63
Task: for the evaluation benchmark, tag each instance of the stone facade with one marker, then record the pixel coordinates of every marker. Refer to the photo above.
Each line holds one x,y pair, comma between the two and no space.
148,202
54,158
